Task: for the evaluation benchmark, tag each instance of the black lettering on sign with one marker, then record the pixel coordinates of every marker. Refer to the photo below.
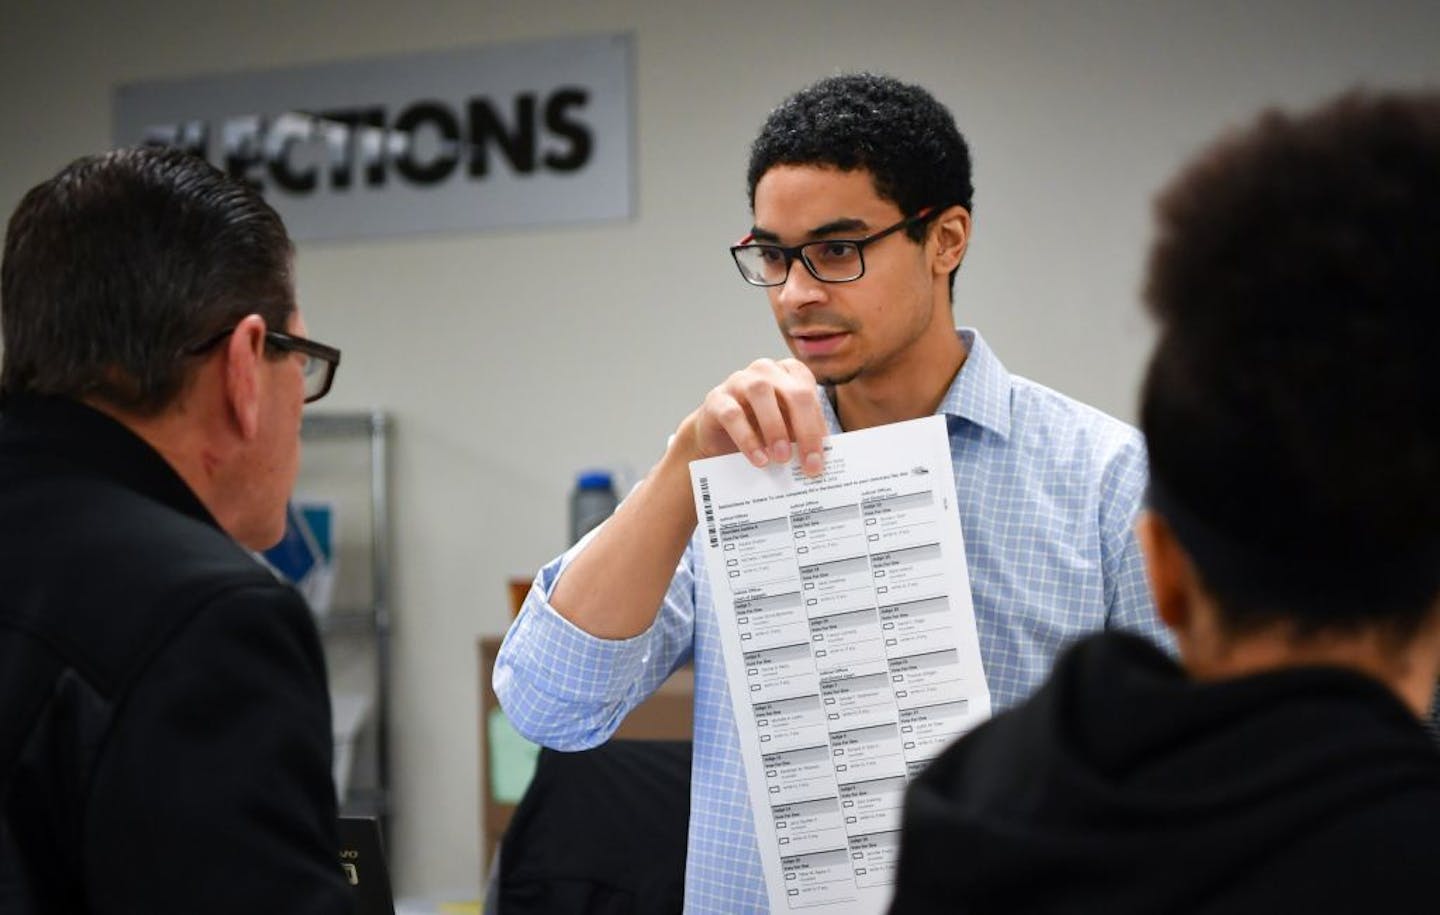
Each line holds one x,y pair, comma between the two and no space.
241,140
301,153
557,119
288,132
371,145
442,120
338,130
517,143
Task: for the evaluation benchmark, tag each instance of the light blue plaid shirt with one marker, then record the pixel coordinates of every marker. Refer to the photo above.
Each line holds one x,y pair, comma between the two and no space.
1047,489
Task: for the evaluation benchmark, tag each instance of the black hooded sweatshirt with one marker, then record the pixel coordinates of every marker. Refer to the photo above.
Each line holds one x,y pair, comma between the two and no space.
1124,786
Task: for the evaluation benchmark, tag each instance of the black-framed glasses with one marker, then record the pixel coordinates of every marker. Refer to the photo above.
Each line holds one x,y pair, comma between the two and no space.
319,367
830,260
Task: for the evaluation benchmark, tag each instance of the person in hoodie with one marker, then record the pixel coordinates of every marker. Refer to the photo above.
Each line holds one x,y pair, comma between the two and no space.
1292,411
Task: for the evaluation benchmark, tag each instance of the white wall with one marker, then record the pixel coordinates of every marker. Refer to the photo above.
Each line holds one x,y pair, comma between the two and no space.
510,359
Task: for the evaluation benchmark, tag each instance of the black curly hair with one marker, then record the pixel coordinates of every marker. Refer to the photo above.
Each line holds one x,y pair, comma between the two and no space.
1292,405
896,131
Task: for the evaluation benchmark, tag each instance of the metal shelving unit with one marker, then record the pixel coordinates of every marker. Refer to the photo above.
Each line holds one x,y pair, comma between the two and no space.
345,463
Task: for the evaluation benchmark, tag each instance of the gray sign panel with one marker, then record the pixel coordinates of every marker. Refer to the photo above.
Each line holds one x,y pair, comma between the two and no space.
521,134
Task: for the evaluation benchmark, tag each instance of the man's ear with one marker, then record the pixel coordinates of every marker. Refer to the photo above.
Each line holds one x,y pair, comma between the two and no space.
1169,570
950,232
244,359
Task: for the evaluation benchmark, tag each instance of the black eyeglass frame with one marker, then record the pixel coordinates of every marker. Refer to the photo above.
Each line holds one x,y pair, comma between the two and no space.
797,252
329,356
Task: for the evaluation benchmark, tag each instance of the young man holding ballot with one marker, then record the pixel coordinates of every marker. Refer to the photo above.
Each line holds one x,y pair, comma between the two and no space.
861,193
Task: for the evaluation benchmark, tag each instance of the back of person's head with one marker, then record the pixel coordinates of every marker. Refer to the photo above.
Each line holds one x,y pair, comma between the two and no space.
897,132
1292,406
119,264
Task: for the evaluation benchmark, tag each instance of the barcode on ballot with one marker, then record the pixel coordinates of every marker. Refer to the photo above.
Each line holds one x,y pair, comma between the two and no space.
709,511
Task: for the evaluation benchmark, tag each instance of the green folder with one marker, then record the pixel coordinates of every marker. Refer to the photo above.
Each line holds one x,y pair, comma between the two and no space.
512,759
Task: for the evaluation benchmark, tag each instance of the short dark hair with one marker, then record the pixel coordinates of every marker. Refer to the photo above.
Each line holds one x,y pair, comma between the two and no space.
1292,405
896,131
116,265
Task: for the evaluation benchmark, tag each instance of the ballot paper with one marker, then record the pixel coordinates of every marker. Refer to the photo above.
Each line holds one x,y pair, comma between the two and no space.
850,648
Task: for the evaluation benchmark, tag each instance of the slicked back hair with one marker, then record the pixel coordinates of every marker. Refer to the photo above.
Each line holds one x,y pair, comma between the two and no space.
122,261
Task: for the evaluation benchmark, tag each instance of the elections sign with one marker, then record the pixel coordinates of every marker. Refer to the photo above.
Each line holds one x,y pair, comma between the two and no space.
522,134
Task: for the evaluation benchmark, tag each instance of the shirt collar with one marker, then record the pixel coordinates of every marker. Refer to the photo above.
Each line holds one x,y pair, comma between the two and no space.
981,389
980,392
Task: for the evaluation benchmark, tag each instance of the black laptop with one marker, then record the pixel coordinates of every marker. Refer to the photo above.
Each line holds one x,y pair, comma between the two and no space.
362,858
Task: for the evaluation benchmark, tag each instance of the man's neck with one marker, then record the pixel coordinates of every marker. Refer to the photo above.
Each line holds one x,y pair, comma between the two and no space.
183,444
911,388
1408,668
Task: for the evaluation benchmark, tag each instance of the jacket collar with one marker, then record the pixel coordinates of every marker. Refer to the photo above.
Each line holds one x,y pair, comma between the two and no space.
69,434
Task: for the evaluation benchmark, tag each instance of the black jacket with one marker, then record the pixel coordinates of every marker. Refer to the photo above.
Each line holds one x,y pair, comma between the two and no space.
600,832
1122,786
165,740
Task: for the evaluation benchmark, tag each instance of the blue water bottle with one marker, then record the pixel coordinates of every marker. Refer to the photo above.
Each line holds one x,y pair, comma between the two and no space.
591,501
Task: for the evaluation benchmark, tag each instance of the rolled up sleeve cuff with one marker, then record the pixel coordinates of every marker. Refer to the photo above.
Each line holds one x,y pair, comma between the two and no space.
561,686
